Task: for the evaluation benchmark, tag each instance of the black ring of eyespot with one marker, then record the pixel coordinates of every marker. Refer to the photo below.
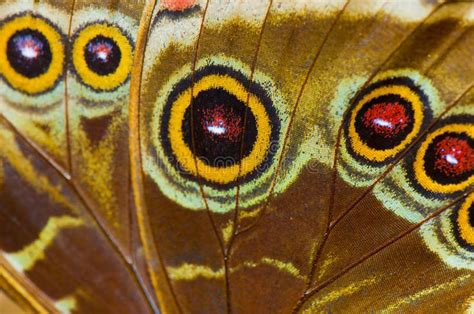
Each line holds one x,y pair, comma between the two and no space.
50,69
411,159
209,99
93,59
367,139
462,219
21,64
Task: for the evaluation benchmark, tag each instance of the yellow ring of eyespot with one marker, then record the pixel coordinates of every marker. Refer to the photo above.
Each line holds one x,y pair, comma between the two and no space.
184,154
419,164
44,81
376,154
89,77
465,229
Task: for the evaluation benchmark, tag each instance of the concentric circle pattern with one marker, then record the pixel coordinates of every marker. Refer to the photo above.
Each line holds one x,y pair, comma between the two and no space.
205,123
102,56
31,53
444,162
385,118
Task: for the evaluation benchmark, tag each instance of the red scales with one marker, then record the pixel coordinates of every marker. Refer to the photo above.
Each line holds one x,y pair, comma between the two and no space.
222,122
29,47
453,156
386,119
102,51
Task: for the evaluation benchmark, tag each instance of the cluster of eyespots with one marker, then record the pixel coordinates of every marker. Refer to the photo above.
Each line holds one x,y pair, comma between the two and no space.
32,54
400,115
386,117
218,126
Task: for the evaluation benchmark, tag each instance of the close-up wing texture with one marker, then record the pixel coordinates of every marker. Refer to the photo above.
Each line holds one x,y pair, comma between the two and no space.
237,156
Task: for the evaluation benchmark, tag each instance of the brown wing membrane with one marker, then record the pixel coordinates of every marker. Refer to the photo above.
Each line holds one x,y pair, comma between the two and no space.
50,240
265,250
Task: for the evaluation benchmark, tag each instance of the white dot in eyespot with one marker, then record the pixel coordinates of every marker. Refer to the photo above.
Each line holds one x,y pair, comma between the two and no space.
383,123
451,159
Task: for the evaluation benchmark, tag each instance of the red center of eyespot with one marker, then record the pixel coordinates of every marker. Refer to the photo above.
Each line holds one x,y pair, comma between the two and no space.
177,5
386,119
222,122
102,51
30,48
454,156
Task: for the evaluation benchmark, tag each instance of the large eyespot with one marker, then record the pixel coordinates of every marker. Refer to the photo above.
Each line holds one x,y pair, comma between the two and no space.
444,163
102,56
31,53
386,117
203,117
463,221
220,110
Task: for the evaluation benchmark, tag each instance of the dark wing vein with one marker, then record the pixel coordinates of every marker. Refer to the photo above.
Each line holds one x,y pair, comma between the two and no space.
228,249
290,123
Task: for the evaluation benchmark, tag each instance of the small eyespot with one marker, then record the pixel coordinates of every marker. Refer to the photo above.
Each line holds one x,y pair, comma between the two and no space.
177,5
224,112
31,53
102,56
463,219
444,162
385,118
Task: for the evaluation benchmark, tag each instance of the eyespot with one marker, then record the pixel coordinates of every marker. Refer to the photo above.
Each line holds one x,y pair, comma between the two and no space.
102,56
386,117
224,110
177,5
444,162
31,53
463,221
221,96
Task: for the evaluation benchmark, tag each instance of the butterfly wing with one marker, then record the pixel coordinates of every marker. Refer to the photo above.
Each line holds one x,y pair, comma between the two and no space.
285,156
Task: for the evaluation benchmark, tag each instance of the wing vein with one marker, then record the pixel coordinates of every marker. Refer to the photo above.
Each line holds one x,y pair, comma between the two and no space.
329,225
66,97
290,123
228,250
136,169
